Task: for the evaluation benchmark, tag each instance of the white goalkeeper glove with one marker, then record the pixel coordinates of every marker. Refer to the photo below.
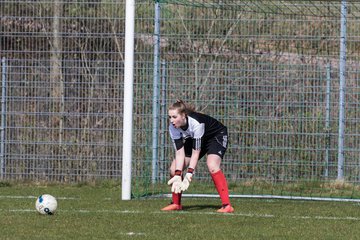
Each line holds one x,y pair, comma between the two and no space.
175,183
187,180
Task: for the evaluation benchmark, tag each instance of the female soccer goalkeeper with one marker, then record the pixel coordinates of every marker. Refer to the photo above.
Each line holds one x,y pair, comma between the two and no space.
194,135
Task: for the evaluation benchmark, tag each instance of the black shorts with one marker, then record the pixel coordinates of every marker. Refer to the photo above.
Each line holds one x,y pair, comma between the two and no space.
216,145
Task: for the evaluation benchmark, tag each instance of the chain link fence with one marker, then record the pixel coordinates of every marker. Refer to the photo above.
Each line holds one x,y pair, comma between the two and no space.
269,70
63,90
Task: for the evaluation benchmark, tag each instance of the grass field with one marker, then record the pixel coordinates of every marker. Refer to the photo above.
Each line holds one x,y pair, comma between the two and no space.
86,212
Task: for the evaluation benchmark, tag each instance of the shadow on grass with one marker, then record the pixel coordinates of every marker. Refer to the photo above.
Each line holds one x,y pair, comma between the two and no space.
200,207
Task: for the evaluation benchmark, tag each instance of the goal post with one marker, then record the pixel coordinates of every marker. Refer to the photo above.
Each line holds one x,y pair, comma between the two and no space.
128,99
269,71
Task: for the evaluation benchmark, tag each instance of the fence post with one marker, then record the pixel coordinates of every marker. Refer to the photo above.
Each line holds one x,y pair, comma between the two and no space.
342,90
3,118
163,119
155,130
327,119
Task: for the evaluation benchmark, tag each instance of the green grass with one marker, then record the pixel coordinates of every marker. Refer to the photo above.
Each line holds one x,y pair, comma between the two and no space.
315,189
87,212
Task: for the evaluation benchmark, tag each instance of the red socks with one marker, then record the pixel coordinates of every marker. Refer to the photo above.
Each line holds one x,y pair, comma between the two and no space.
221,186
176,198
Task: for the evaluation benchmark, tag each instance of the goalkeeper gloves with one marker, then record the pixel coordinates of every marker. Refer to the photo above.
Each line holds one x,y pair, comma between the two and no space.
186,182
176,182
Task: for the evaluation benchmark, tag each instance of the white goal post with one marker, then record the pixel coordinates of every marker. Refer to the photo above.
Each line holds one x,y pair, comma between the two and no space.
128,99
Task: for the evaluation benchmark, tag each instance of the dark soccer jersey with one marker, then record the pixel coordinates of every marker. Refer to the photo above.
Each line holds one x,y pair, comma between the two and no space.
200,127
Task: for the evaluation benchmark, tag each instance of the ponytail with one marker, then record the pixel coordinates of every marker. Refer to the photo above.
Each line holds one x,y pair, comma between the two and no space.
182,107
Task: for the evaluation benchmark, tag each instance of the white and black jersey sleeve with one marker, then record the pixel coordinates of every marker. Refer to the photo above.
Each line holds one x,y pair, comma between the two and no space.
199,130
176,137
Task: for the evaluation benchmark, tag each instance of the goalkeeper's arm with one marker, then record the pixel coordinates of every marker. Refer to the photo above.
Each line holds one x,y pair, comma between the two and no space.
176,180
190,172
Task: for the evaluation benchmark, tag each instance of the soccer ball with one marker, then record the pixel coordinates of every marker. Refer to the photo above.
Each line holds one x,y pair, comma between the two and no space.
46,204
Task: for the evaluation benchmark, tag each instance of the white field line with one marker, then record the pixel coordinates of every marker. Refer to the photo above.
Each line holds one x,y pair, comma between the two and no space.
249,215
133,234
33,197
213,196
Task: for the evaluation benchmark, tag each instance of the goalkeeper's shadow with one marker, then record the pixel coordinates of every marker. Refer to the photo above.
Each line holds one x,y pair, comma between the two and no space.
199,207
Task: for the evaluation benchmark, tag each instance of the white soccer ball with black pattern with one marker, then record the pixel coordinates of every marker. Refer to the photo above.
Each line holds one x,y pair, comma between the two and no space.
46,204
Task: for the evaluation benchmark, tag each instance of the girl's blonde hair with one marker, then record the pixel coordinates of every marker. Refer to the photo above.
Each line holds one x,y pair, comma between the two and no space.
182,107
